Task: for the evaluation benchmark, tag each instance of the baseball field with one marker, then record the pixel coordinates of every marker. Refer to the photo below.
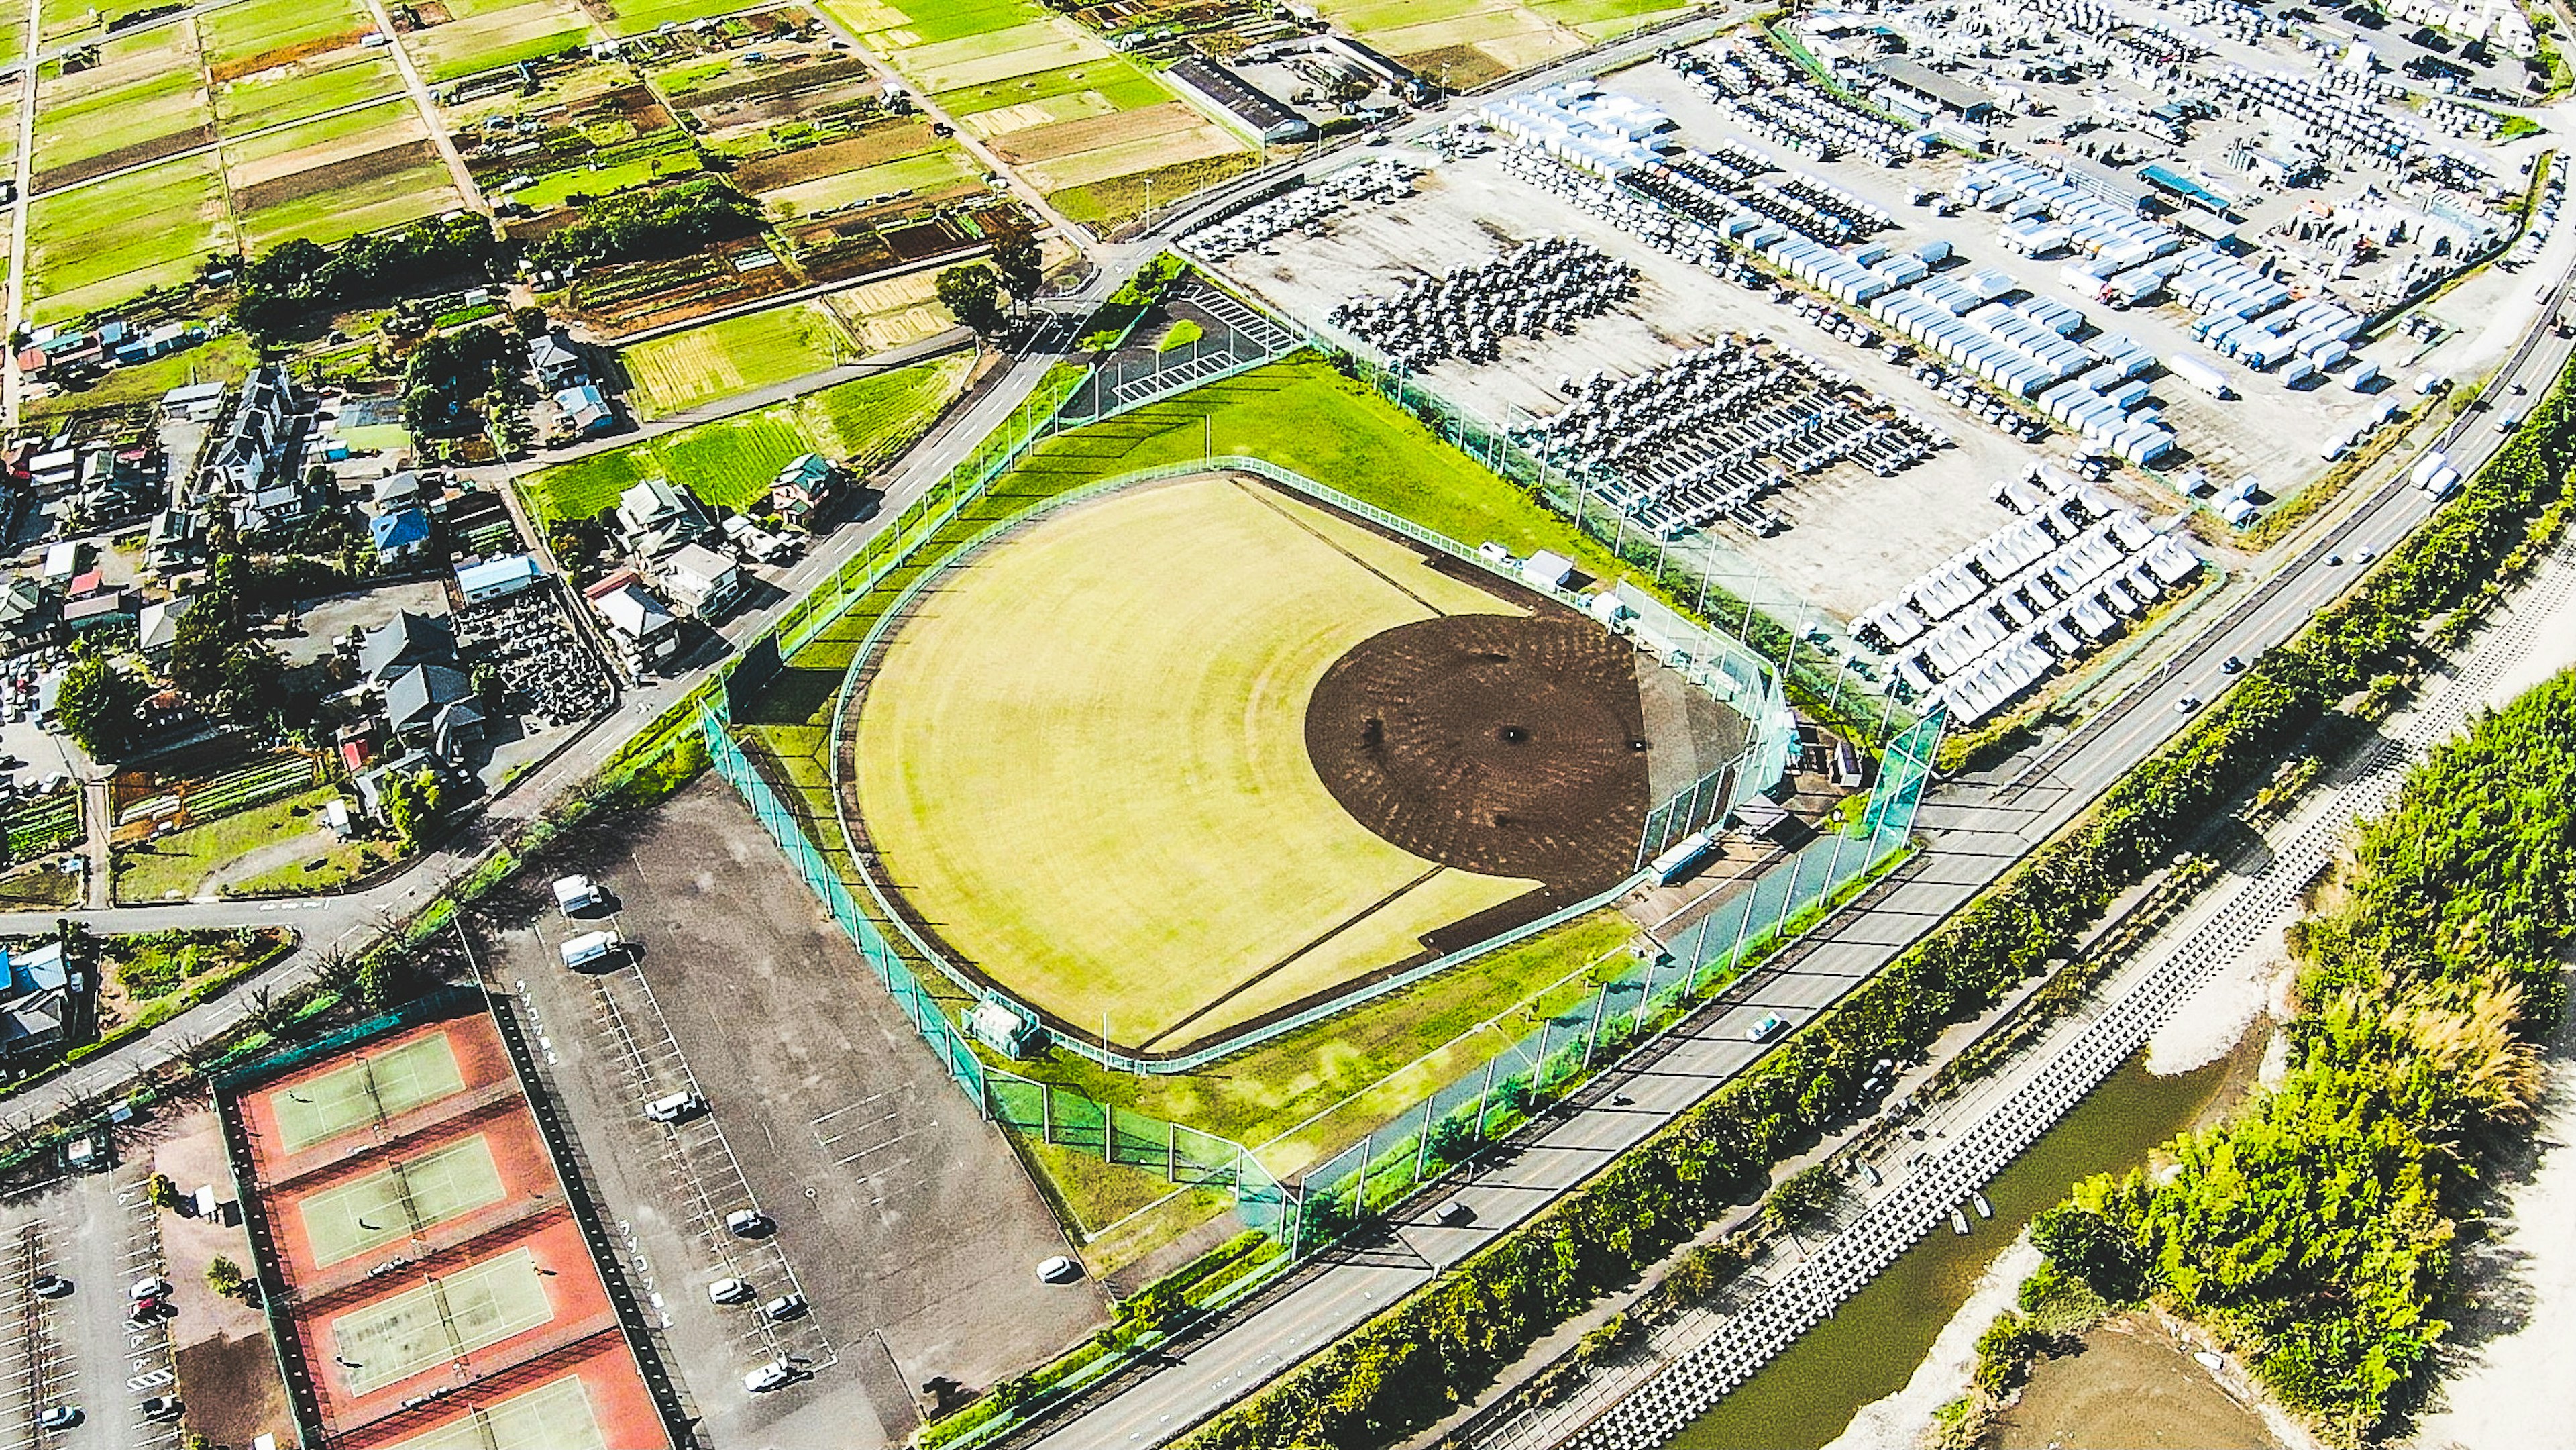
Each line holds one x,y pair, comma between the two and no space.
1191,753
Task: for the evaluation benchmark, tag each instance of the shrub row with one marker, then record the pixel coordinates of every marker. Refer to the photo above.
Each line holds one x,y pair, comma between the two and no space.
1409,1366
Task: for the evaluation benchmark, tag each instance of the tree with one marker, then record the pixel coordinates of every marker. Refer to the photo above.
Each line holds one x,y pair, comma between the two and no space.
1022,269
224,1277
96,705
411,804
1802,1197
161,1193
970,294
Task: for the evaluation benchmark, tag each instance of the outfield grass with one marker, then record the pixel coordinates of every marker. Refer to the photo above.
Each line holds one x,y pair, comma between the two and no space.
1050,819
729,463
721,359
103,243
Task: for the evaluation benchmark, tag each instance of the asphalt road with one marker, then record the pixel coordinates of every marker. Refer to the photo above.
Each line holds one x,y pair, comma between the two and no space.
1976,828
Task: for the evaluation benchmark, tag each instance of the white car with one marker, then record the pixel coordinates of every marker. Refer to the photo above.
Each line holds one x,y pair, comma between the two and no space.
153,1288
783,1308
677,1108
730,1291
748,1223
1059,1270
778,1374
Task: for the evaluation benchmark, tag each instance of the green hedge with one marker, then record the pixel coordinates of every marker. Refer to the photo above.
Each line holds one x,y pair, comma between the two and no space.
1411,1365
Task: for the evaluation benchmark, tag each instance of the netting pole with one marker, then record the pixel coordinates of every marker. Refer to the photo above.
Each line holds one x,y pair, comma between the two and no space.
1108,1133
1359,1183
1592,1034
1172,1152
1046,1113
1645,997
1482,1093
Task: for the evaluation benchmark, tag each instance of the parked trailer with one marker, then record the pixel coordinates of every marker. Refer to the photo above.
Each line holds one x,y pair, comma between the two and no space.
2200,375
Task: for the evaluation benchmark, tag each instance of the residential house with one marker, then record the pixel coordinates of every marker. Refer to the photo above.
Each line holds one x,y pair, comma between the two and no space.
256,448
656,520
400,490
433,707
178,541
107,611
496,578
194,402
802,488
157,632
27,614
556,365
401,536
404,642
279,504
586,411
648,632
700,581
32,1027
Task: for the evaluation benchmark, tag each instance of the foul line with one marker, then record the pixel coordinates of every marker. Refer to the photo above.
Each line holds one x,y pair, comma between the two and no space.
1275,968
1262,496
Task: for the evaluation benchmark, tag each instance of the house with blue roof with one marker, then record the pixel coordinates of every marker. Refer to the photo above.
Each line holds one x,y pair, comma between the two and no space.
401,535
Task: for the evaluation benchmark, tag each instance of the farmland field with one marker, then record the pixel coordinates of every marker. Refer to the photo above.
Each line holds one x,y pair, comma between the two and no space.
722,358
1051,819
307,87
336,177
730,462
888,314
103,242
487,34
930,174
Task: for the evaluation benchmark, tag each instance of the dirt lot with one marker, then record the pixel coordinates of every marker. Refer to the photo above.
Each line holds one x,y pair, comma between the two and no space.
904,1216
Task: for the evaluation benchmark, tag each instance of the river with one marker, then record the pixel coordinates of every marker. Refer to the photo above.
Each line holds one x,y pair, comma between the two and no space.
1870,1348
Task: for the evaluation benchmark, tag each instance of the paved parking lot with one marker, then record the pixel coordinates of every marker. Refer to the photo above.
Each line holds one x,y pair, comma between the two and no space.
100,1233
904,1218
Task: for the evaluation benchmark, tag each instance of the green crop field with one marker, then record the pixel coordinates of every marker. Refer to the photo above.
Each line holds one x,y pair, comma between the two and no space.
1104,836
1117,82
730,462
720,359
374,205
250,28
488,34
555,188
931,172
102,243
634,17
328,82
76,124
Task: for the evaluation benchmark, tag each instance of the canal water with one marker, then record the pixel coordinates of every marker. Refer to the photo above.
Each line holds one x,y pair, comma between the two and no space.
1874,1342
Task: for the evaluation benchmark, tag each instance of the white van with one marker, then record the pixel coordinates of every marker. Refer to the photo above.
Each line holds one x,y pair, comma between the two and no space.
576,894
678,1107
591,947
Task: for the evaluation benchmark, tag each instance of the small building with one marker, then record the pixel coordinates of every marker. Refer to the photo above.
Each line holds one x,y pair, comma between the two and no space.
402,642
401,536
649,632
1546,570
32,1026
1003,1029
194,402
556,365
27,613
586,411
398,490
701,581
157,631
656,519
496,578
433,707
802,488
108,611
178,541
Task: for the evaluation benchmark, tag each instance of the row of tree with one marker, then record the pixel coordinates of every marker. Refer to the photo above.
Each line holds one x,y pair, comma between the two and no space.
1411,1365
2315,1231
297,278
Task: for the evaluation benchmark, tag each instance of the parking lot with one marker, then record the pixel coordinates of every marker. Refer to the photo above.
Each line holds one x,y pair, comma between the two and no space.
80,1350
903,1218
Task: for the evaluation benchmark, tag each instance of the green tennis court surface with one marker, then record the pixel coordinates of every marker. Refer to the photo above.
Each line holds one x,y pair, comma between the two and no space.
553,1416
368,1090
401,1199
442,1320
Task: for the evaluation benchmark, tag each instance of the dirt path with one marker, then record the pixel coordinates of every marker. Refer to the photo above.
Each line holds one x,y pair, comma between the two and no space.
471,194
